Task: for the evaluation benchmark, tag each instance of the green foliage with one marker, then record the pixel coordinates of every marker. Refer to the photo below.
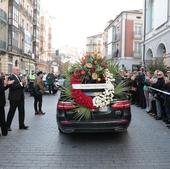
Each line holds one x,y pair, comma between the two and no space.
113,67
120,89
157,65
65,94
82,113
71,70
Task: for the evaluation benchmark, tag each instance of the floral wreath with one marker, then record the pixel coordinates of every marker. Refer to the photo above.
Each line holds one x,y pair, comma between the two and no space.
91,69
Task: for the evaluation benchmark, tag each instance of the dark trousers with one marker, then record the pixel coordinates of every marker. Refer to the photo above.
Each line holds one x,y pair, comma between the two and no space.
12,109
51,88
142,102
38,103
2,121
167,111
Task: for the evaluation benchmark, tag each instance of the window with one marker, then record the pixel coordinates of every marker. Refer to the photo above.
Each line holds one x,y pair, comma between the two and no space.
137,47
27,27
110,35
138,17
31,13
138,29
109,51
31,29
15,17
23,23
17,1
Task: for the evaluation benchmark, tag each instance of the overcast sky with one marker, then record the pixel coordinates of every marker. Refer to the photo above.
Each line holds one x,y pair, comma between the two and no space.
74,20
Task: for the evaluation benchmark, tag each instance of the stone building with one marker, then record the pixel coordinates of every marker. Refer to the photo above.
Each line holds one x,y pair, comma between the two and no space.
18,34
157,31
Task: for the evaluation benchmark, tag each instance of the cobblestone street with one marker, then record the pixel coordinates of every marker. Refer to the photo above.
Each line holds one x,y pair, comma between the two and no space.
146,145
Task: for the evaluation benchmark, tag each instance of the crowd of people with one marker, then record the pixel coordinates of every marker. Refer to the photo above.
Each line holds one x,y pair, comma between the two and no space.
16,85
150,91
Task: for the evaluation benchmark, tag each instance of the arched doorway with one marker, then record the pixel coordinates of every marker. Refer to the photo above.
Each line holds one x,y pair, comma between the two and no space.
149,54
161,51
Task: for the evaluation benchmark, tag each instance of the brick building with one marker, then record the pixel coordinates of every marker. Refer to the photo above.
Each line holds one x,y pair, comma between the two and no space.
123,37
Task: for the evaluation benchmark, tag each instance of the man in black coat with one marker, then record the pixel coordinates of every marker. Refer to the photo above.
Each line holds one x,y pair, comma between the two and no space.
50,79
16,99
3,86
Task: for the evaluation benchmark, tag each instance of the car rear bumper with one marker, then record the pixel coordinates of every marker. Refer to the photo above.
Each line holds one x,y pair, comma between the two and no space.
94,126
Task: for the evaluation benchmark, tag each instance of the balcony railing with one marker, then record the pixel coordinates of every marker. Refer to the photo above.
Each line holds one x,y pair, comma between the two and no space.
3,16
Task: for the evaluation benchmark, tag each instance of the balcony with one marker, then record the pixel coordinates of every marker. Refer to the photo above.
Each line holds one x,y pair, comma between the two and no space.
3,45
3,16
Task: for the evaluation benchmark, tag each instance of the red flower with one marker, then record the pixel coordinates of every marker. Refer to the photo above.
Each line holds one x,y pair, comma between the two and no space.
83,72
80,97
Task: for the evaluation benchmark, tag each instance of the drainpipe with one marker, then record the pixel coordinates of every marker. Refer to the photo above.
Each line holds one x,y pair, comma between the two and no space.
144,35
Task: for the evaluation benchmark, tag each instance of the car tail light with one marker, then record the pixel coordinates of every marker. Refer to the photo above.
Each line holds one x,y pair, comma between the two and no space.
65,106
121,104
66,122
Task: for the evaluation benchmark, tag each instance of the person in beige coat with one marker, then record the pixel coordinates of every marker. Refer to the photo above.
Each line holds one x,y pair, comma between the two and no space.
38,93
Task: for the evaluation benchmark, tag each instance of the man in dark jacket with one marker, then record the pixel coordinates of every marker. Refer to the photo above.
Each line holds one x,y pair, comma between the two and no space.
3,87
140,83
50,80
158,96
16,99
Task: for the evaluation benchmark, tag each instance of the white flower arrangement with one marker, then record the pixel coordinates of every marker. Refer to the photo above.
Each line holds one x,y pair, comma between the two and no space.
106,97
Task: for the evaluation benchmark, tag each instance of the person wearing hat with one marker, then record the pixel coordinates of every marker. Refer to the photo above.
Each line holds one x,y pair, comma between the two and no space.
38,93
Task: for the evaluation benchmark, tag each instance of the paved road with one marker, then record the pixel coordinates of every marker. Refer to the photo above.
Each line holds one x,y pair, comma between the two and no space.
146,145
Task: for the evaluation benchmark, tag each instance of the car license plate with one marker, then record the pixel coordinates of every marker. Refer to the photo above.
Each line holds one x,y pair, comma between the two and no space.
105,108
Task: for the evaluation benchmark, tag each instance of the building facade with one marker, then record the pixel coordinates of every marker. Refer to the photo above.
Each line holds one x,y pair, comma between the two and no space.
45,45
3,30
94,44
123,37
157,31
17,36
